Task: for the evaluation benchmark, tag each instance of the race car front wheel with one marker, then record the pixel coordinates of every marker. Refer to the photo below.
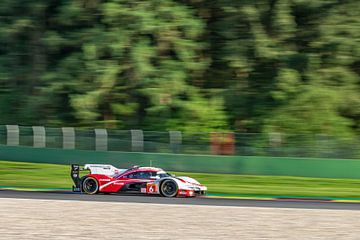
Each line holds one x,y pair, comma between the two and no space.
168,188
90,185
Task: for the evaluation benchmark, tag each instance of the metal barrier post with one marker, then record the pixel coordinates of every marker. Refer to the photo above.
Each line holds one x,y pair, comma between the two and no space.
137,140
68,137
101,140
39,136
12,135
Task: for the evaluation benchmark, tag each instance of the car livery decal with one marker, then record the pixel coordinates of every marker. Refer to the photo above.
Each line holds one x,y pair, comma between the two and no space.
117,182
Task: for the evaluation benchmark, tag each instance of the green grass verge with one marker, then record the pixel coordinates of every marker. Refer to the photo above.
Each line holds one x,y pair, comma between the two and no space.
36,175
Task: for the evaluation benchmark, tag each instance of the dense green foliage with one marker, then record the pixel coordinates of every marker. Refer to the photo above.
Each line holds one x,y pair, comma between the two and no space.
289,66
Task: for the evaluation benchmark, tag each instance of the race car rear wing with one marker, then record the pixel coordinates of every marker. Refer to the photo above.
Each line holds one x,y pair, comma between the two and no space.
75,175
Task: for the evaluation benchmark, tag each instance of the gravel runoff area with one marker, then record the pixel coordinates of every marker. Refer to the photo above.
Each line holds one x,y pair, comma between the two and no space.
63,219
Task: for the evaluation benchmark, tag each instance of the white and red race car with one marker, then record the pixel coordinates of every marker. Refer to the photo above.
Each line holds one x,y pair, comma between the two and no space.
147,180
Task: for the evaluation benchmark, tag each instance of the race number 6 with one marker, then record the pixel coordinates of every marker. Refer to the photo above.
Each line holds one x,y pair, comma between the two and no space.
151,188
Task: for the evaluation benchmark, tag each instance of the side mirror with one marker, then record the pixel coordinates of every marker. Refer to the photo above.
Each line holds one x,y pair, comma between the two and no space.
155,177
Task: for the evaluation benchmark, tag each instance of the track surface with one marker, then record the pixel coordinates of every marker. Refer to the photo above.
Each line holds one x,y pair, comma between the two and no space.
186,201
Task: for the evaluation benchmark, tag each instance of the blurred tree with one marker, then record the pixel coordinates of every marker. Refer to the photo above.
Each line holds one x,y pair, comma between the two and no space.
22,60
287,56
194,65
119,63
139,65
329,83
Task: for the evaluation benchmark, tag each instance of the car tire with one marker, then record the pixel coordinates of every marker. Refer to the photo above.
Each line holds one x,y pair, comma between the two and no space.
169,188
90,185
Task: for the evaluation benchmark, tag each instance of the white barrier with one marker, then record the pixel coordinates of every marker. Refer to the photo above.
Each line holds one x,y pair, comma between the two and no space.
12,135
68,137
39,136
101,140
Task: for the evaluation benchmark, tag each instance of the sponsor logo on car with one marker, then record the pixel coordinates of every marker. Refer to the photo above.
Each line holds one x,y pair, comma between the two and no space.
105,180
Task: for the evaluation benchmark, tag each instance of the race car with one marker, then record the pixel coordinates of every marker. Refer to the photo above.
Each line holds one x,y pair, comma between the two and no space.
105,178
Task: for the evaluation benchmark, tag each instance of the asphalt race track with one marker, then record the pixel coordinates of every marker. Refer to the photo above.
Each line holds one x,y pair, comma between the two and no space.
188,201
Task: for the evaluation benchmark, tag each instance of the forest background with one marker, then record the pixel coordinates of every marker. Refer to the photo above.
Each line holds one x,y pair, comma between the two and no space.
288,66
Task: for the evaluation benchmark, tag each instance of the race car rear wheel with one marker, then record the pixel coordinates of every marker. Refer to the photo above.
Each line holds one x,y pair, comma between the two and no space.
90,185
168,188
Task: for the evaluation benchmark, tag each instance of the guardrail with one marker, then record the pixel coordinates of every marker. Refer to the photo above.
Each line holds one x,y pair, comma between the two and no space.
216,143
